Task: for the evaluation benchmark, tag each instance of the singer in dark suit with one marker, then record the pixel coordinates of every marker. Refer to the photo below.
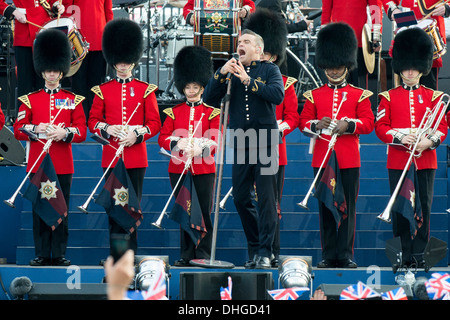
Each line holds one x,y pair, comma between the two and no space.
256,89
338,108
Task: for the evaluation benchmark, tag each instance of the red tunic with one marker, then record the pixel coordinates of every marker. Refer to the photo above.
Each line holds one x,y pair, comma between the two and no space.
25,33
402,110
181,122
2,119
91,18
412,4
352,12
287,113
42,107
114,104
323,102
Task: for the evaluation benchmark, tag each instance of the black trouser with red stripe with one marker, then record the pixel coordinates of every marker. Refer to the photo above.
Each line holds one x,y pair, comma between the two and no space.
400,225
48,243
204,185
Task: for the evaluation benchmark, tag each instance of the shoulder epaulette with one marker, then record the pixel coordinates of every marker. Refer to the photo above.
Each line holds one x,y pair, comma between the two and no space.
308,95
151,88
385,94
365,94
436,94
169,112
97,91
289,82
25,100
214,113
78,99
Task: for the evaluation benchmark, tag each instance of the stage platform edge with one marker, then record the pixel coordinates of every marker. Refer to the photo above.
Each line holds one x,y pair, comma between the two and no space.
76,276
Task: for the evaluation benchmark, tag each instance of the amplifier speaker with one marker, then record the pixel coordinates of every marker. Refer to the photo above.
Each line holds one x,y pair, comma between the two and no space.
11,149
206,285
333,291
60,291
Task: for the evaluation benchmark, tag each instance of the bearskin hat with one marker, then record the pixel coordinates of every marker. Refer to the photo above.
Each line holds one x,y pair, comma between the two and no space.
52,52
413,49
271,26
336,46
192,64
122,42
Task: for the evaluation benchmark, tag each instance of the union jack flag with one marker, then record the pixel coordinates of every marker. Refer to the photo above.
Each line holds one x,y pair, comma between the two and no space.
358,291
438,286
156,292
225,293
288,293
396,294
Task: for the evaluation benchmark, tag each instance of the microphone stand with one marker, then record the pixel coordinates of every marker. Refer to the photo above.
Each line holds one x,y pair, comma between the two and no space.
212,262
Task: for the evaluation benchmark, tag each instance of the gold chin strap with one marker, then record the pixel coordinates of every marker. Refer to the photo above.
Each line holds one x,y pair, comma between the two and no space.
338,80
129,69
413,79
52,81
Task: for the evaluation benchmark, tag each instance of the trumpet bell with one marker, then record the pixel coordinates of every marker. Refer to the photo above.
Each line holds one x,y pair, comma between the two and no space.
83,209
384,217
9,202
156,224
303,204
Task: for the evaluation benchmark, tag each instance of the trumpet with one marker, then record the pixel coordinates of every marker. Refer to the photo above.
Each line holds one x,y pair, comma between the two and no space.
119,150
47,144
224,200
426,124
331,143
187,164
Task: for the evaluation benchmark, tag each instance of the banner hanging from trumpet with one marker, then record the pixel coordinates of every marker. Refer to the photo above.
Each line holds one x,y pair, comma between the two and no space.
408,203
119,199
330,190
187,211
45,194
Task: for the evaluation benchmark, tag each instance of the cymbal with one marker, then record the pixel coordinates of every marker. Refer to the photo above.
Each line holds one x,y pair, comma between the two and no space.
368,53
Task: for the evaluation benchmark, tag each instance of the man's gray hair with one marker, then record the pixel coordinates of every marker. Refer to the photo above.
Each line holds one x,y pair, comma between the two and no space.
259,41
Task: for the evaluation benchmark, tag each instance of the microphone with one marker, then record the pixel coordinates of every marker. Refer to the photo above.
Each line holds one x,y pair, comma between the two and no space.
420,291
235,56
20,287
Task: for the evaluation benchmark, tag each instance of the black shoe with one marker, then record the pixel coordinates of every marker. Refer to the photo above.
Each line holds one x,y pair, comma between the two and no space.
251,264
61,262
347,263
275,262
327,263
262,263
182,263
39,261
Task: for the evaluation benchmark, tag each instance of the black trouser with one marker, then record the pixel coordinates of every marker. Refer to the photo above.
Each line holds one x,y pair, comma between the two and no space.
337,243
50,243
259,225
91,73
204,185
27,79
400,225
137,179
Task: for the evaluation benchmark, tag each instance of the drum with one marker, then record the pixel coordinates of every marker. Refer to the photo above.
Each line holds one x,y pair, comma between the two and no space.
184,37
79,45
217,26
431,28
